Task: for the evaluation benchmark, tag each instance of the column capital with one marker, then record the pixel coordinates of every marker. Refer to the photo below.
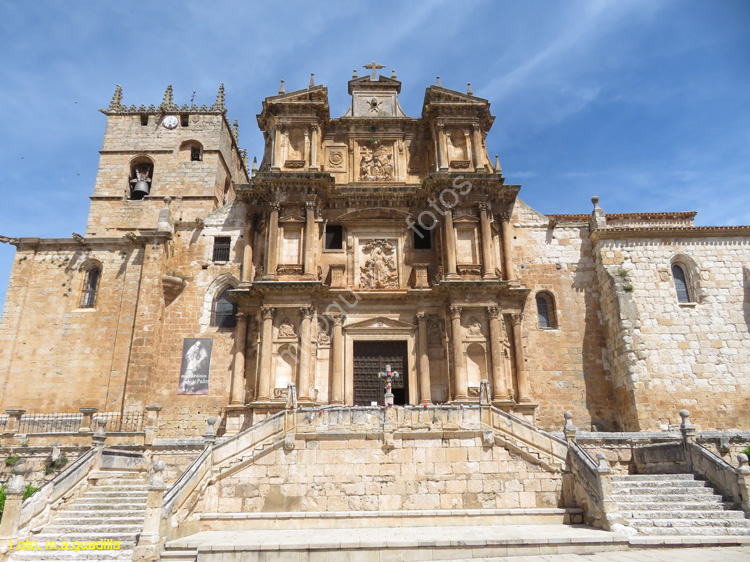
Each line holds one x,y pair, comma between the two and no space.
251,217
338,319
454,311
420,316
440,126
275,206
267,312
310,205
475,126
307,311
516,318
314,126
493,311
242,315
504,215
484,206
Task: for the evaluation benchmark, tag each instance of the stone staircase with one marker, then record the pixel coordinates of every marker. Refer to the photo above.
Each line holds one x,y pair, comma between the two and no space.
114,508
675,504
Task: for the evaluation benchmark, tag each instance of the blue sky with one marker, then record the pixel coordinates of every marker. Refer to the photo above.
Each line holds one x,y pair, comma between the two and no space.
645,103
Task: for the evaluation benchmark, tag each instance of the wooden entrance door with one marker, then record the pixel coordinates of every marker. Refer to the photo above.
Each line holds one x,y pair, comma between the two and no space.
370,358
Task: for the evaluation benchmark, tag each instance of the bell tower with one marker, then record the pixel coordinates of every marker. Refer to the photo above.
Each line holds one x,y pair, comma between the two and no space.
188,153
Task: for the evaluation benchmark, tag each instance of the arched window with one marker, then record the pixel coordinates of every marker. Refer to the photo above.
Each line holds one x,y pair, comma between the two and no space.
90,285
681,283
141,174
545,306
191,151
224,313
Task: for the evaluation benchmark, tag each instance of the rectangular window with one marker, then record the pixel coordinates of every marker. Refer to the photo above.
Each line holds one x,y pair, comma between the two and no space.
334,237
422,238
221,248
144,120
184,120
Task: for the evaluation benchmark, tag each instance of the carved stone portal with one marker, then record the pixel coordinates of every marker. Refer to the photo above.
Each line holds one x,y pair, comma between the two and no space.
379,271
376,163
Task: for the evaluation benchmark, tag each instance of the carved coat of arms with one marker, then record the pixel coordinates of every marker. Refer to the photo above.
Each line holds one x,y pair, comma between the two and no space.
379,271
376,164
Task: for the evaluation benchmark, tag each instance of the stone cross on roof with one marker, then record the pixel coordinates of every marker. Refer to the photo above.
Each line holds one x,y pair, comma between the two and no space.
374,66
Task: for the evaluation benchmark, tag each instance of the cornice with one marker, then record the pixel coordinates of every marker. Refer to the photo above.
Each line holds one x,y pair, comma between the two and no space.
614,232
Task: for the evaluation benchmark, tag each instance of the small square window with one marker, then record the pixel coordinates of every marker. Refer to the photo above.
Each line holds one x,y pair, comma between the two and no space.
422,238
144,120
195,154
222,245
184,120
334,237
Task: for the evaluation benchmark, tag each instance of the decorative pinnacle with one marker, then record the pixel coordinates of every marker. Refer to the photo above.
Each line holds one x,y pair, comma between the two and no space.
236,131
498,169
393,74
116,102
312,80
281,88
438,81
595,201
168,102
219,103
354,74
255,164
468,89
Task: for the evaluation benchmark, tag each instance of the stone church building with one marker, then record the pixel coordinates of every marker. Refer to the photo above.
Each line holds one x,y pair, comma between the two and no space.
207,286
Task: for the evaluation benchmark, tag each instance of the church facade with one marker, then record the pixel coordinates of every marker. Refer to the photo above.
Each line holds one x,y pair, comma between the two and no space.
364,244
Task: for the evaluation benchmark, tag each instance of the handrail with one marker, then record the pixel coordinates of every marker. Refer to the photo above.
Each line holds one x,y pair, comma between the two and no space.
60,485
530,435
593,487
523,422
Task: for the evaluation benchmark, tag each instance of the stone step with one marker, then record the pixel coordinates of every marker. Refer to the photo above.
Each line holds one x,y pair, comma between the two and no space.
637,484
73,556
654,477
702,531
684,514
660,498
734,523
89,529
675,490
128,494
99,504
179,555
80,514
705,505
136,518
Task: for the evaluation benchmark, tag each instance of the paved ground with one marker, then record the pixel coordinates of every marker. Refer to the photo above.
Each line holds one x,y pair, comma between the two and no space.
720,554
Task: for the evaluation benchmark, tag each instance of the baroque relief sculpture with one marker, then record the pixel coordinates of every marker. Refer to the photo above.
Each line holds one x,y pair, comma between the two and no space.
376,164
286,329
379,271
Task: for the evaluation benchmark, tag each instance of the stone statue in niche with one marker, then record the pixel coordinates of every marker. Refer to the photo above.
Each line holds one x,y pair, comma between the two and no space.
475,326
286,329
376,164
379,271
323,336
434,333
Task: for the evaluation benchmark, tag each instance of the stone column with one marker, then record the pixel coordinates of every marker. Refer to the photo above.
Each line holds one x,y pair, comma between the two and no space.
310,239
85,426
425,391
13,501
149,540
247,258
238,374
314,146
337,350
450,245
276,156
14,421
443,159
273,240
497,336
488,261
460,383
523,381
476,144
305,348
266,343
507,235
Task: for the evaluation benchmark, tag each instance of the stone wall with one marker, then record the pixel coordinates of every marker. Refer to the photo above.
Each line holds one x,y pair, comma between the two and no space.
353,473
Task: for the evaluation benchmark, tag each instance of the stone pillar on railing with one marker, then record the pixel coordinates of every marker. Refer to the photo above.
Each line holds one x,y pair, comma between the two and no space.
100,435
86,424
743,483
569,430
13,500
609,506
209,438
14,421
686,427
152,423
149,541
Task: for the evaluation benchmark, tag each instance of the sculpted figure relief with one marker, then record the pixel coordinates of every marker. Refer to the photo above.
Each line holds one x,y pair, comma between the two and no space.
475,326
376,164
379,271
286,329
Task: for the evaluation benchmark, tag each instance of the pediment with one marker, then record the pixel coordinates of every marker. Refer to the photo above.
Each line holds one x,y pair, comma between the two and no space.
291,218
465,219
316,93
374,213
380,323
366,82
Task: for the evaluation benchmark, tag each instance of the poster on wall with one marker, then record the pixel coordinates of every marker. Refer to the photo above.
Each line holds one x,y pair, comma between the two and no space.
196,363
